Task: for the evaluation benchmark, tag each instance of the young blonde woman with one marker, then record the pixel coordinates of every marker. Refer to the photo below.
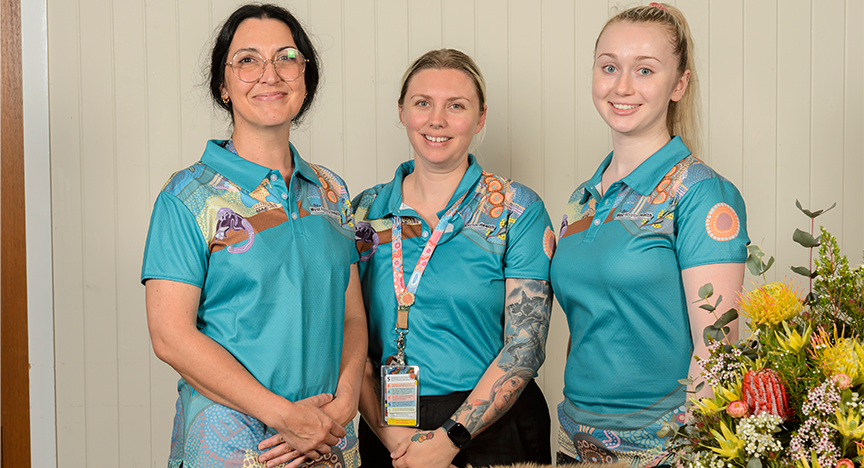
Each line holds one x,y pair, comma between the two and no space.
454,263
638,240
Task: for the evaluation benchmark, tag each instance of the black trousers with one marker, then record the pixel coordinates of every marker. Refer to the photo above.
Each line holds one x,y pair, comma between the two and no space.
521,435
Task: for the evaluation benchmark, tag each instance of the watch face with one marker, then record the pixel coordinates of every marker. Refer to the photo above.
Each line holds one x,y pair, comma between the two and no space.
459,435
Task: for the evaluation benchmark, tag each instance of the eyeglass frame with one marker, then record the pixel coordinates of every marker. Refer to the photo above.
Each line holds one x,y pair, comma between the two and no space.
264,65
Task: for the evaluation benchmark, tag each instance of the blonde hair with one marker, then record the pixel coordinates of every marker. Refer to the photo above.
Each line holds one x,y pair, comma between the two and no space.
683,116
446,59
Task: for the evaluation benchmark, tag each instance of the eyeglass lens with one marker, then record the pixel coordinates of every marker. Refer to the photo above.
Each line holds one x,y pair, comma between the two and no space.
249,66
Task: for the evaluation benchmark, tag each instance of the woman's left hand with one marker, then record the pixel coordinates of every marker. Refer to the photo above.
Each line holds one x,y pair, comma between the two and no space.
425,449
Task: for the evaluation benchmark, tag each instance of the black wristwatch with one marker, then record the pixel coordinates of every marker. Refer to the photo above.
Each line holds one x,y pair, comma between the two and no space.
457,433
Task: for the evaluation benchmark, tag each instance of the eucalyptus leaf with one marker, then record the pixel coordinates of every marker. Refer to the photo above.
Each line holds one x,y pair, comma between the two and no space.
719,300
706,291
754,462
699,386
755,265
803,271
686,381
811,298
715,333
754,249
768,266
813,214
724,319
707,307
805,239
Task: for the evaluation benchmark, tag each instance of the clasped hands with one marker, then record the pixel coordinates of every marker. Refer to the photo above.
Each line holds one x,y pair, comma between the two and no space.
307,431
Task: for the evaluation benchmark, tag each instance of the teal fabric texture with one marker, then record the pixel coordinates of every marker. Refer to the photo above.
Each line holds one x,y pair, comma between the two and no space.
273,262
617,275
500,231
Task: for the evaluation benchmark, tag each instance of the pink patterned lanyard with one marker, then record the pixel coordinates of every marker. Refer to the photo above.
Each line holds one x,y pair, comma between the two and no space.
405,295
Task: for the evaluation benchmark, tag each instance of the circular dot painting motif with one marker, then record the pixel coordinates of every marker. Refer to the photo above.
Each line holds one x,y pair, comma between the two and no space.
722,223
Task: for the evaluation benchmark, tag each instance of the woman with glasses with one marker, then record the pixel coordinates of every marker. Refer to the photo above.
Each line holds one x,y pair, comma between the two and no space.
455,274
252,290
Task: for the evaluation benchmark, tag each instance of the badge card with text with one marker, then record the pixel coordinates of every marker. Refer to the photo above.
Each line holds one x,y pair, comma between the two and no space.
399,396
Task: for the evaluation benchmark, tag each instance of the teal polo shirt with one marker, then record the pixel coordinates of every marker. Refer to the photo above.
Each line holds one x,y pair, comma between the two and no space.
456,325
272,260
617,275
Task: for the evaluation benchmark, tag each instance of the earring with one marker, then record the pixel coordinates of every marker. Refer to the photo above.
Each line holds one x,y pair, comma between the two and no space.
225,99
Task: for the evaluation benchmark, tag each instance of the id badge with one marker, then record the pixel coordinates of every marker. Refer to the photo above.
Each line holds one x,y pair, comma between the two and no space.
399,396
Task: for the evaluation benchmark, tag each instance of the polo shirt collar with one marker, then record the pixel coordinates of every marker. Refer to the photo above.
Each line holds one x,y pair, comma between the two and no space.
245,173
389,199
647,175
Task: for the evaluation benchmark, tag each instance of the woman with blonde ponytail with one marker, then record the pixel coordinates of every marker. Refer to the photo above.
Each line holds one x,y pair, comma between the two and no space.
638,240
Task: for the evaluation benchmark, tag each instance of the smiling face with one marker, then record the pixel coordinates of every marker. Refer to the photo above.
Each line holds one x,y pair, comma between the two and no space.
635,77
269,102
441,113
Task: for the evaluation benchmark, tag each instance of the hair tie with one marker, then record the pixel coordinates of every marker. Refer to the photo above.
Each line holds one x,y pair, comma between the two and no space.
657,5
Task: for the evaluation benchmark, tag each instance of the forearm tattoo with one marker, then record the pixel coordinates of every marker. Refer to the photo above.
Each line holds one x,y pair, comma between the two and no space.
528,309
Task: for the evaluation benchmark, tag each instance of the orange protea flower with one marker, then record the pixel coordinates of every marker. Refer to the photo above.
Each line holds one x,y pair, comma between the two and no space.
843,356
770,304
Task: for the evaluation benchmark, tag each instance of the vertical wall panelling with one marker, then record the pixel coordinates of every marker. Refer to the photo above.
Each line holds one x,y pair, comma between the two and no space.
391,59
526,90
557,52
164,157
826,147
458,25
301,134
425,30
697,13
759,122
194,101
65,75
99,190
725,73
326,122
853,152
361,150
493,43
794,59
592,143
129,150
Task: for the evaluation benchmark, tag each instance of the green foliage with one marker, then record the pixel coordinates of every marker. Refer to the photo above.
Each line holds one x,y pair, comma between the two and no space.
840,289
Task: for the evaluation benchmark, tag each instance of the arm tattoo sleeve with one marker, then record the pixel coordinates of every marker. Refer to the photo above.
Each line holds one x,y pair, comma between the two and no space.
528,310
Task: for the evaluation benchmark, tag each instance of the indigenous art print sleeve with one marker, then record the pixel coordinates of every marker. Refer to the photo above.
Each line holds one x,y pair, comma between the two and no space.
532,229
712,225
175,249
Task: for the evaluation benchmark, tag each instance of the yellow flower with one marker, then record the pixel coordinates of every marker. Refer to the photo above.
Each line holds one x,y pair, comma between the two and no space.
843,356
850,426
792,341
729,394
802,462
708,406
730,444
770,304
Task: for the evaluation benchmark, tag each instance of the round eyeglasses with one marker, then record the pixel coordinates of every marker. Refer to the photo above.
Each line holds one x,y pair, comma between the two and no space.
248,65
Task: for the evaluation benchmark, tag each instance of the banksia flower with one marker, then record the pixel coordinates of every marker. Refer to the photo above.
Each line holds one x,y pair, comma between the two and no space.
737,409
770,304
763,390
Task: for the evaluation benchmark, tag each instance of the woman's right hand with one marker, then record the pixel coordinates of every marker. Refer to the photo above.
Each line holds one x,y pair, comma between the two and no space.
306,433
392,436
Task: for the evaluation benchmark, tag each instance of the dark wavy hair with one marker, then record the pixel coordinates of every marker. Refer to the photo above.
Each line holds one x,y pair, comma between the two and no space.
219,55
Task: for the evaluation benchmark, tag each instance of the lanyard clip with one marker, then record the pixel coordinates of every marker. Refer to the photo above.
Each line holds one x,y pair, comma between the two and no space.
399,359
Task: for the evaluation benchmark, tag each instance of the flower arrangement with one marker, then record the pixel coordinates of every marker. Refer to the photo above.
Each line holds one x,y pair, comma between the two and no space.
790,394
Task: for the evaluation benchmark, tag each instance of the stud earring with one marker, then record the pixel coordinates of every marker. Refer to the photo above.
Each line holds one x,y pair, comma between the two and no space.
226,99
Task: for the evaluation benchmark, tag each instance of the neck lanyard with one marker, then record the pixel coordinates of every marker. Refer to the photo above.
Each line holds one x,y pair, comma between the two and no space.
405,294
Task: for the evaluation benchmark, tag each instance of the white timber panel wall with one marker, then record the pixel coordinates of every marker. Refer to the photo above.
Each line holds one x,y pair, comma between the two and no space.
782,85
